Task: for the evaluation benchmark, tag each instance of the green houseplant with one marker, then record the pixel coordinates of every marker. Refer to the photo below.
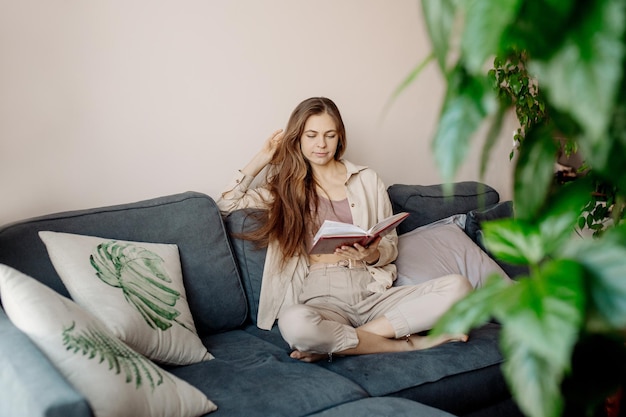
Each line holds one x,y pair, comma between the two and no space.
515,87
562,325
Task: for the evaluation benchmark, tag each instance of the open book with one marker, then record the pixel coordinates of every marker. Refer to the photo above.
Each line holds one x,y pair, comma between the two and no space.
333,234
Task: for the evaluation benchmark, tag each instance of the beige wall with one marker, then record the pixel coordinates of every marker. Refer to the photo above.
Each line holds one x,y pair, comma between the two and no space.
107,102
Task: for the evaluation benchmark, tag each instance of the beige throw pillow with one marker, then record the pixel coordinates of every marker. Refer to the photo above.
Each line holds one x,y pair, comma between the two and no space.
115,380
135,288
441,249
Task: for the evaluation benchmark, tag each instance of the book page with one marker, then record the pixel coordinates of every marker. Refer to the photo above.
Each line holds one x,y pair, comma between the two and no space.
389,222
333,228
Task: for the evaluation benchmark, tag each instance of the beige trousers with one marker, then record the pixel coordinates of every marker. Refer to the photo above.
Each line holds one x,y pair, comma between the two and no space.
335,300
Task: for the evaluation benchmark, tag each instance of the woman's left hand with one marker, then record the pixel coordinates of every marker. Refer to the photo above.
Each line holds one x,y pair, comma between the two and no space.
368,254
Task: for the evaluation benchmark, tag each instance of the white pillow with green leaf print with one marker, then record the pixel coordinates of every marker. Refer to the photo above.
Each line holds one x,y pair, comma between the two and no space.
135,288
115,380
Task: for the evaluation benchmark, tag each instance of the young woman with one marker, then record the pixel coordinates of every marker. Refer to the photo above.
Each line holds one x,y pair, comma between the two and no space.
342,302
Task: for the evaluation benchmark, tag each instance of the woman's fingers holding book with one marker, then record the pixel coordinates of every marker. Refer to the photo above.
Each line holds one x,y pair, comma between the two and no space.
358,252
370,253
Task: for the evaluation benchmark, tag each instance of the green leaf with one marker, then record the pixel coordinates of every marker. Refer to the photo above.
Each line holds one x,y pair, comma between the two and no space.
524,370
614,167
141,276
493,80
473,310
534,172
550,309
439,17
561,213
539,26
93,342
514,241
492,138
520,241
605,262
541,318
583,76
407,81
515,85
485,21
467,103
523,119
539,335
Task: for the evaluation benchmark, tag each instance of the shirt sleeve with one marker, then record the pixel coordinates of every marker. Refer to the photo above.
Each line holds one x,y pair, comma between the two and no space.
238,195
388,246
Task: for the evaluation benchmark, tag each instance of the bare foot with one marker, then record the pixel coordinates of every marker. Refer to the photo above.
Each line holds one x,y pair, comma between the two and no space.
307,356
411,343
415,342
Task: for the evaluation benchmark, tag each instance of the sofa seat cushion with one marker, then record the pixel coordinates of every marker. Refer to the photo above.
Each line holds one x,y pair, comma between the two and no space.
456,377
190,220
452,366
391,373
251,377
387,406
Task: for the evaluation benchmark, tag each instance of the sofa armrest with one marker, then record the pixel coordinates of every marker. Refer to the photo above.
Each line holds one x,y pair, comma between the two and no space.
29,383
475,217
473,228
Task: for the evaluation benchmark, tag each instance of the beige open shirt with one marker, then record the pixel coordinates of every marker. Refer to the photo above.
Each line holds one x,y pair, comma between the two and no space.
369,203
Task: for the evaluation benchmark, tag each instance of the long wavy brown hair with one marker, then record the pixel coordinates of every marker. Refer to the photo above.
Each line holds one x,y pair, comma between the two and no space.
290,180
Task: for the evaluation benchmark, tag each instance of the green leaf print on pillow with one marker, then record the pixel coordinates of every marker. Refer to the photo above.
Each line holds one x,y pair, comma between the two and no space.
141,276
96,344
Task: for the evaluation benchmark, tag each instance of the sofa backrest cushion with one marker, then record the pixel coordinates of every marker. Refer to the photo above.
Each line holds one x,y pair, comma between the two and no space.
429,203
190,220
250,258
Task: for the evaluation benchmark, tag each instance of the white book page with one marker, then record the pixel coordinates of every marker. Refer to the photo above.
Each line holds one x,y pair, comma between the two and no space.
386,222
331,228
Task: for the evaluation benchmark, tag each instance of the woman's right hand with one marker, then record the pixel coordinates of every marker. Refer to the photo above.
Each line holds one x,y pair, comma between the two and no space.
265,155
272,143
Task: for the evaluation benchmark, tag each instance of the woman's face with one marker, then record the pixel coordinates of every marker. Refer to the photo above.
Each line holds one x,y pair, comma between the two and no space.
320,139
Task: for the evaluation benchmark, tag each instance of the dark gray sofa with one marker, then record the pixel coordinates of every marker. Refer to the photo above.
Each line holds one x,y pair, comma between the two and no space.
252,374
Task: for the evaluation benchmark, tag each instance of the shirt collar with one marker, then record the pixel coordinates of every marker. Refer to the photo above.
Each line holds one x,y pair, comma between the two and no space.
352,168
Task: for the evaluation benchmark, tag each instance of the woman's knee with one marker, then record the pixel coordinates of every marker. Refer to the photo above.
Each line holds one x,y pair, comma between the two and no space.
296,323
457,286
